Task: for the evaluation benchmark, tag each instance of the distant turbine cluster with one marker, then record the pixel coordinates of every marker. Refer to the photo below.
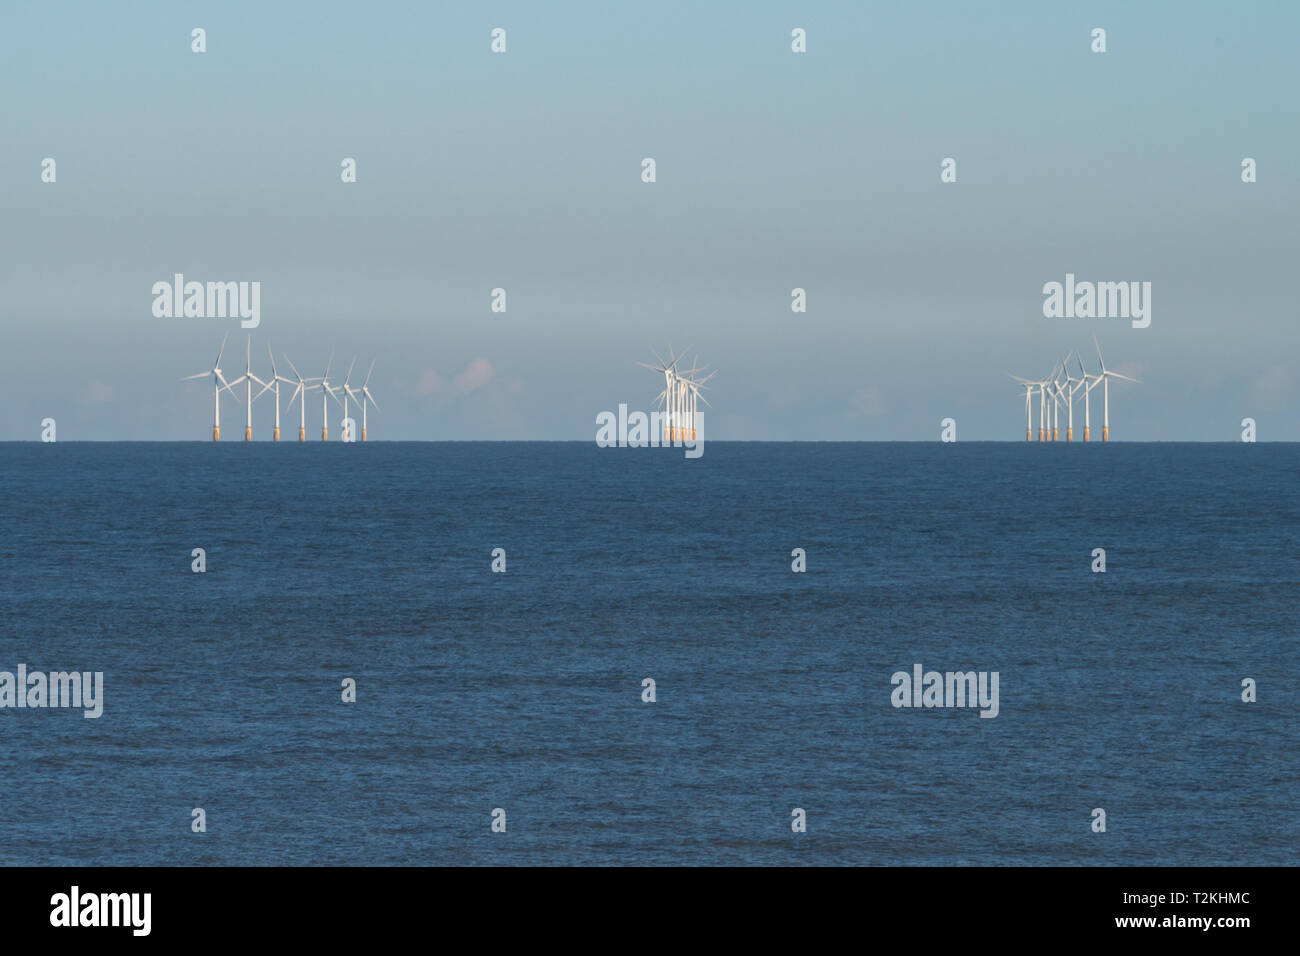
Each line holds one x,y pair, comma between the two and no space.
362,396
1055,390
681,396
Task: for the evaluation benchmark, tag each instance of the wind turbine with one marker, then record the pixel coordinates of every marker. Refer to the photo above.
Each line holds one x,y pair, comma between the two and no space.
301,391
355,395
324,408
248,378
1056,402
1087,390
691,394
1060,393
1042,384
218,382
671,392
1029,387
274,386
367,399
1071,389
696,396
1105,377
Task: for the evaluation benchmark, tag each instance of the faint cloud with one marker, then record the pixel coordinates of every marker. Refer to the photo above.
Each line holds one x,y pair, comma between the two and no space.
430,382
474,376
477,374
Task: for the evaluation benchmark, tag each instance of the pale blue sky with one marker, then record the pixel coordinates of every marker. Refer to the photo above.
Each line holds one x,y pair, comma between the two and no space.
775,170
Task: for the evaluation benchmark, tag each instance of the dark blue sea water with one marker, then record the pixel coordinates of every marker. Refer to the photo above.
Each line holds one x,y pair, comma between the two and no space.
523,690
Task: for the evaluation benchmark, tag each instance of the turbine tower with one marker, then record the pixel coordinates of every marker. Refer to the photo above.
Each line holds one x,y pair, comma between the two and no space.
1091,382
274,386
691,394
367,398
347,393
324,408
300,392
248,378
1072,386
1105,377
218,383
670,395
1044,433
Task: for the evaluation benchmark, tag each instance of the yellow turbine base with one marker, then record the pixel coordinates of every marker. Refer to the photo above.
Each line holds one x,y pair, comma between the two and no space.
1086,435
1056,434
216,433
248,433
363,434
1069,434
1029,434
324,434
302,434
1040,435
277,432
1105,433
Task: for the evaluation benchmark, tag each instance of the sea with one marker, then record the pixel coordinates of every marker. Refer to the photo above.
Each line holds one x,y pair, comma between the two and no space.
503,717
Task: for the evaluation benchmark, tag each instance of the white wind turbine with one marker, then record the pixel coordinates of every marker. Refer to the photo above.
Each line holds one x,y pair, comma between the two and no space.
691,393
1055,387
1105,377
324,408
1072,386
1042,384
1029,413
1061,393
352,393
1090,382
218,383
367,398
300,392
248,378
347,392
671,393
697,388
274,386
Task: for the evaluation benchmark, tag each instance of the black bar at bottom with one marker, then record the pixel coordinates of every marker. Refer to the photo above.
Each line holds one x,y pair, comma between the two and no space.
339,905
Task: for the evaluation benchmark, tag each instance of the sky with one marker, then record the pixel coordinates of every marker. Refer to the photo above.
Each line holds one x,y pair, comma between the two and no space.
775,170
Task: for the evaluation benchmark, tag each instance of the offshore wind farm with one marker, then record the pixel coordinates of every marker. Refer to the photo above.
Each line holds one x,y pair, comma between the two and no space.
677,405
679,401
1059,388
361,395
